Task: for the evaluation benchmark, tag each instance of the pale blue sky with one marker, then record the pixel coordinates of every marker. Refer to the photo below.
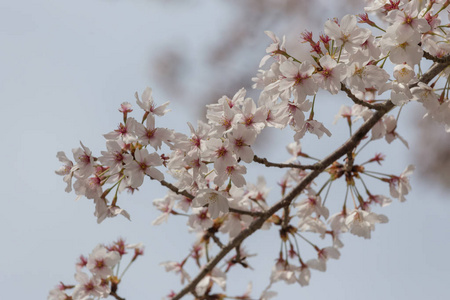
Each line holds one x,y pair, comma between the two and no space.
64,69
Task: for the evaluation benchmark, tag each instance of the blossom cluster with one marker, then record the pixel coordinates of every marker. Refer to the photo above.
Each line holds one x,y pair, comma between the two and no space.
101,281
379,69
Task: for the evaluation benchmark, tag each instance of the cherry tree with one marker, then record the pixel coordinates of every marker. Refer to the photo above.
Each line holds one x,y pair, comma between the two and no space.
382,63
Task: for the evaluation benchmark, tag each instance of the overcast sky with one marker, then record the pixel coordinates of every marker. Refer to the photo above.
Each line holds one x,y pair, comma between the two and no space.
65,67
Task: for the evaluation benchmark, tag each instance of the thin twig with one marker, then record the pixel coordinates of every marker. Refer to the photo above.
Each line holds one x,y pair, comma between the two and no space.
267,163
211,232
245,212
348,146
188,195
359,101
114,294
217,241
175,189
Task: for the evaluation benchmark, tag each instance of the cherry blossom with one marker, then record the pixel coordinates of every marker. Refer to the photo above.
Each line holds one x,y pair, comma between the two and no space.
209,186
165,205
299,78
322,257
148,105
401,48
331,75
216,276
347,34
124,132
399,185
313,127
103,210
216,202
313,204
283,271
100,261
240,141
88,287
144,164
199,219
150,135
235,223
85,161
115,158
235,173
67,170
407,21
361,223
172,266
274,48
220,152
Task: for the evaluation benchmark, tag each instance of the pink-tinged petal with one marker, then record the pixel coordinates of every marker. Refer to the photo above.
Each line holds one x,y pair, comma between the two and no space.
422,25
214,211
289,69
327,62
81,277
147,94
162,109
306,69
238,180
264,60
409,170
348,23
360,35
332,29
154,159
199,201
150,122
140,154
155,173
319,265
271,35
246,154
249,106
285,84
332,252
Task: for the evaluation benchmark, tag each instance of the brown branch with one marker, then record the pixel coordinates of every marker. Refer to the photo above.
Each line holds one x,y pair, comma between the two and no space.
433,71
188,195
211,233
246,212
114,294
286,218
436,59
345,148
176,190
267,163
359,101
238,253
217,241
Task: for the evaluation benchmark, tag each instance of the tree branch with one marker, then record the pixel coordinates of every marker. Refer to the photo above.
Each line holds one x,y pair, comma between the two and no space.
350,144
114,294
217,240
176,190
188,195
246,212
211,233
267,163
436,59
359,101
